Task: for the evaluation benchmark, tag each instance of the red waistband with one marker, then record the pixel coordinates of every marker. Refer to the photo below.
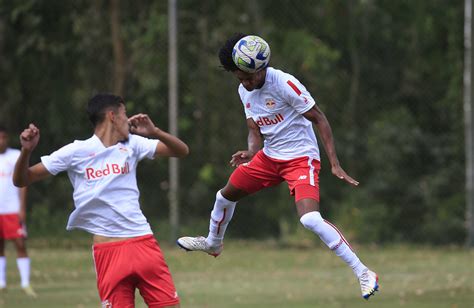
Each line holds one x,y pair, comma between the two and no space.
124,242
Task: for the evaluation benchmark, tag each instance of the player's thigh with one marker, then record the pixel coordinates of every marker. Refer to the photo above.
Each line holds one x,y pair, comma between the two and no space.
232,193
259,173
306,199
113,274
12,228
155,282
302,173
123,295
2,227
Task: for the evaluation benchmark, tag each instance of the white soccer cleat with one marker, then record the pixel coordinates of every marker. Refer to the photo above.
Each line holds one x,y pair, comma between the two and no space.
198,244
369,283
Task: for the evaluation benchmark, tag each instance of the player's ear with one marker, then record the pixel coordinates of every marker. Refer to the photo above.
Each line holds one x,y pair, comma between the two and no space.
110,114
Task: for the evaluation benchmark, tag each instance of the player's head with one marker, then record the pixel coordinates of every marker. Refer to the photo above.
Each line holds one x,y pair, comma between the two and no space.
250,81
104,109
3,138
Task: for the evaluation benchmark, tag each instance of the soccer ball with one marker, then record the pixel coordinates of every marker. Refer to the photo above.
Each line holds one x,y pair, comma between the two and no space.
251,54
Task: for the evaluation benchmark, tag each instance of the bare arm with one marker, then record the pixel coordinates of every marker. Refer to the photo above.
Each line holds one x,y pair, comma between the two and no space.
23,192
170,146
254,141
24,175
316,116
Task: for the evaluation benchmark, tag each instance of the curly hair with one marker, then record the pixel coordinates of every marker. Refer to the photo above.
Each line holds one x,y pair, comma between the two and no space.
225,53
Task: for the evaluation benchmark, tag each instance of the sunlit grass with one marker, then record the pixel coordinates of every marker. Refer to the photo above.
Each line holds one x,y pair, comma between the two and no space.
252,274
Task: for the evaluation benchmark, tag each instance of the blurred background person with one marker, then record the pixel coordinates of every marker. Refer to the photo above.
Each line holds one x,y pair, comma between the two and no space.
12,216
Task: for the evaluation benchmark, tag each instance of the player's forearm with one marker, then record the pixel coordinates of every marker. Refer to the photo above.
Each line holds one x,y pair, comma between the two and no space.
176,146
325,132
254,141
20,173
23,194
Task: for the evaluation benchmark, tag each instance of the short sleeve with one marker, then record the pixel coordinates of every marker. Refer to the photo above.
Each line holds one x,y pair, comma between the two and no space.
144,147
59,160
297,95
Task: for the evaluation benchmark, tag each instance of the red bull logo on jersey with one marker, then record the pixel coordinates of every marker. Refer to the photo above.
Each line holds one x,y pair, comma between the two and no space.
270,103
92,173
262,121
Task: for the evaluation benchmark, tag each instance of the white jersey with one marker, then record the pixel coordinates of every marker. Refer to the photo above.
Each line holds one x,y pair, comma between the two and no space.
9,193
277,109
105,185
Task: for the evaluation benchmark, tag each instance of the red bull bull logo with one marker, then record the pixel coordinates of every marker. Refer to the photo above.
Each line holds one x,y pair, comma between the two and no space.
270,103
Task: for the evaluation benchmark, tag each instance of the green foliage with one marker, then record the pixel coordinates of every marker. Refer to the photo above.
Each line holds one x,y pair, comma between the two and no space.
388,75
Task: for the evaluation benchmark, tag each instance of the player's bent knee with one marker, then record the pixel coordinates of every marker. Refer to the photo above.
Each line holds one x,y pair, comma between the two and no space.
311,220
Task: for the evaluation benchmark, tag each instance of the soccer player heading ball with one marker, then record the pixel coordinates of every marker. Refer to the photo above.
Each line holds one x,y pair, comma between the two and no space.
279,108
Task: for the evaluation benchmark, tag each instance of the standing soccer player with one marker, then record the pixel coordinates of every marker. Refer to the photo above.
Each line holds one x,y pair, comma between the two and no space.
102,170
12,216
279,108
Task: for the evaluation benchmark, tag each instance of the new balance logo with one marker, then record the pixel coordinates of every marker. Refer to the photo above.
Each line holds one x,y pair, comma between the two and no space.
303,177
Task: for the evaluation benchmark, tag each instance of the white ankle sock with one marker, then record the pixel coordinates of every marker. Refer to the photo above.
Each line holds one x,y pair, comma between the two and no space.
3,270
220,217
24,269
334,239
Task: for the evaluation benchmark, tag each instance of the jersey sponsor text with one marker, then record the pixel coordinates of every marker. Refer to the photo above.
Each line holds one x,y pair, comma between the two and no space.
93,174
262,121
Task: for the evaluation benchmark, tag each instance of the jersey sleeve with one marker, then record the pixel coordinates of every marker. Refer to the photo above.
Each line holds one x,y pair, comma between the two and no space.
144,147
59,160
297,95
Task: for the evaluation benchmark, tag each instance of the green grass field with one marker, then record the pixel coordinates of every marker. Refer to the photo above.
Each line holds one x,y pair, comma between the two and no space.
251,274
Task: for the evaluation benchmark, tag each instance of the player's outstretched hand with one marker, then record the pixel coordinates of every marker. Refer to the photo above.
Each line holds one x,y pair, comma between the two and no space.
241,157
142,125
340,173
29,137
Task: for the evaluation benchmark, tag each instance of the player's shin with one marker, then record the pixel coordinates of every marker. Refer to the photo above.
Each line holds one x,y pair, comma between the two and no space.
24,269
3,275
220,217
334,239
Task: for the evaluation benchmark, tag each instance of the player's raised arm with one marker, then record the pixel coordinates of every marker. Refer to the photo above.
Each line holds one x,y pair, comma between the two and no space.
24,175
316,116
170,146
254,141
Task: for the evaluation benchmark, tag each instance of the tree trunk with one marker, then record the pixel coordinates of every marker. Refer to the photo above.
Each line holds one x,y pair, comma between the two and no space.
117,44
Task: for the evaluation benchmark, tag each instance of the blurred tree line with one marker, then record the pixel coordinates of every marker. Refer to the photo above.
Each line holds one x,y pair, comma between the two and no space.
388,75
